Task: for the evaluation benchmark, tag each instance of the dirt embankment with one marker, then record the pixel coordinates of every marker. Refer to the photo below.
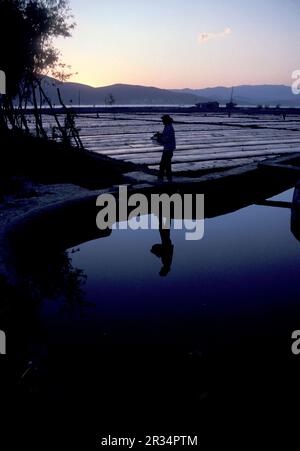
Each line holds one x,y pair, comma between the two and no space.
46,161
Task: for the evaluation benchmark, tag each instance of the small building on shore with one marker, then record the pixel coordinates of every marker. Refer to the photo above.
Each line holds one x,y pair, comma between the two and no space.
210,106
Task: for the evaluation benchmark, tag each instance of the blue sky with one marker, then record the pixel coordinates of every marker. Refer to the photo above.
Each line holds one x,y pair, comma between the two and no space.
184,43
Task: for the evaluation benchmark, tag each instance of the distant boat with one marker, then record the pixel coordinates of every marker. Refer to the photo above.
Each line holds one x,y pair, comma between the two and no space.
231,104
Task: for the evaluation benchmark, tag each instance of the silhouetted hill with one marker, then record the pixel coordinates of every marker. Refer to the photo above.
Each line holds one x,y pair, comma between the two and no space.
249,94
123,94
142,95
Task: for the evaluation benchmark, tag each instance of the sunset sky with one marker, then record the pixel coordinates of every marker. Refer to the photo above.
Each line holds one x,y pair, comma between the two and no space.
183,43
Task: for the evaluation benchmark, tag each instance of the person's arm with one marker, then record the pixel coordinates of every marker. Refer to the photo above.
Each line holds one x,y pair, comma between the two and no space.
159,137
165,136
168,138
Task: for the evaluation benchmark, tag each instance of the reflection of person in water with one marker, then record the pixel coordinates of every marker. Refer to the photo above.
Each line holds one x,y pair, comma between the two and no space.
164,250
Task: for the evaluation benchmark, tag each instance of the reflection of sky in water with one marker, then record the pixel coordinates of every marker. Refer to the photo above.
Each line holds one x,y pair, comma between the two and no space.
247,261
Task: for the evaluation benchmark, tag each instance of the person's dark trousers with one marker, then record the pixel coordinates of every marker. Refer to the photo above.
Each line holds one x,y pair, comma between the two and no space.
165,166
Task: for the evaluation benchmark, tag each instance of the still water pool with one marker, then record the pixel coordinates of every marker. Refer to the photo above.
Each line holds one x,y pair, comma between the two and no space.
136,285
140,322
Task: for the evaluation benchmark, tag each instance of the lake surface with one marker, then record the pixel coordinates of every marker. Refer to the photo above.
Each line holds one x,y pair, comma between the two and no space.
247,263
118,338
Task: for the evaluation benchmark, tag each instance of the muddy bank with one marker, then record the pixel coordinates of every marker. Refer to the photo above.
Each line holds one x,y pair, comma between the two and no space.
46,161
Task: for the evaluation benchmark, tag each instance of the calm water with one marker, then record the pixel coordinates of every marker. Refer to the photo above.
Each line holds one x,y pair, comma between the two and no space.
246,265
117,341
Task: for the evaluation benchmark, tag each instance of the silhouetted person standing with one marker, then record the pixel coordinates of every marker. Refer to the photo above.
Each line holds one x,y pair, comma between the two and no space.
166,139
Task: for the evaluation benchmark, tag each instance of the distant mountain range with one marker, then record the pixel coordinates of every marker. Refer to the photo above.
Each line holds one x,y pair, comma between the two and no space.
123,94
249,94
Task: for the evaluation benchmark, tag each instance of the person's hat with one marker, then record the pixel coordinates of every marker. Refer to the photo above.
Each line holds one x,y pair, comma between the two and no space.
167,118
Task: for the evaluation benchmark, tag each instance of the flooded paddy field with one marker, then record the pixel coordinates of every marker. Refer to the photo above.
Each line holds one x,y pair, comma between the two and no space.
114,334
204,142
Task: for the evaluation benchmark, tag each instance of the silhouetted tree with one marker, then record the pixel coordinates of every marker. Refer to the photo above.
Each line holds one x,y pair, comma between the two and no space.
28,53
